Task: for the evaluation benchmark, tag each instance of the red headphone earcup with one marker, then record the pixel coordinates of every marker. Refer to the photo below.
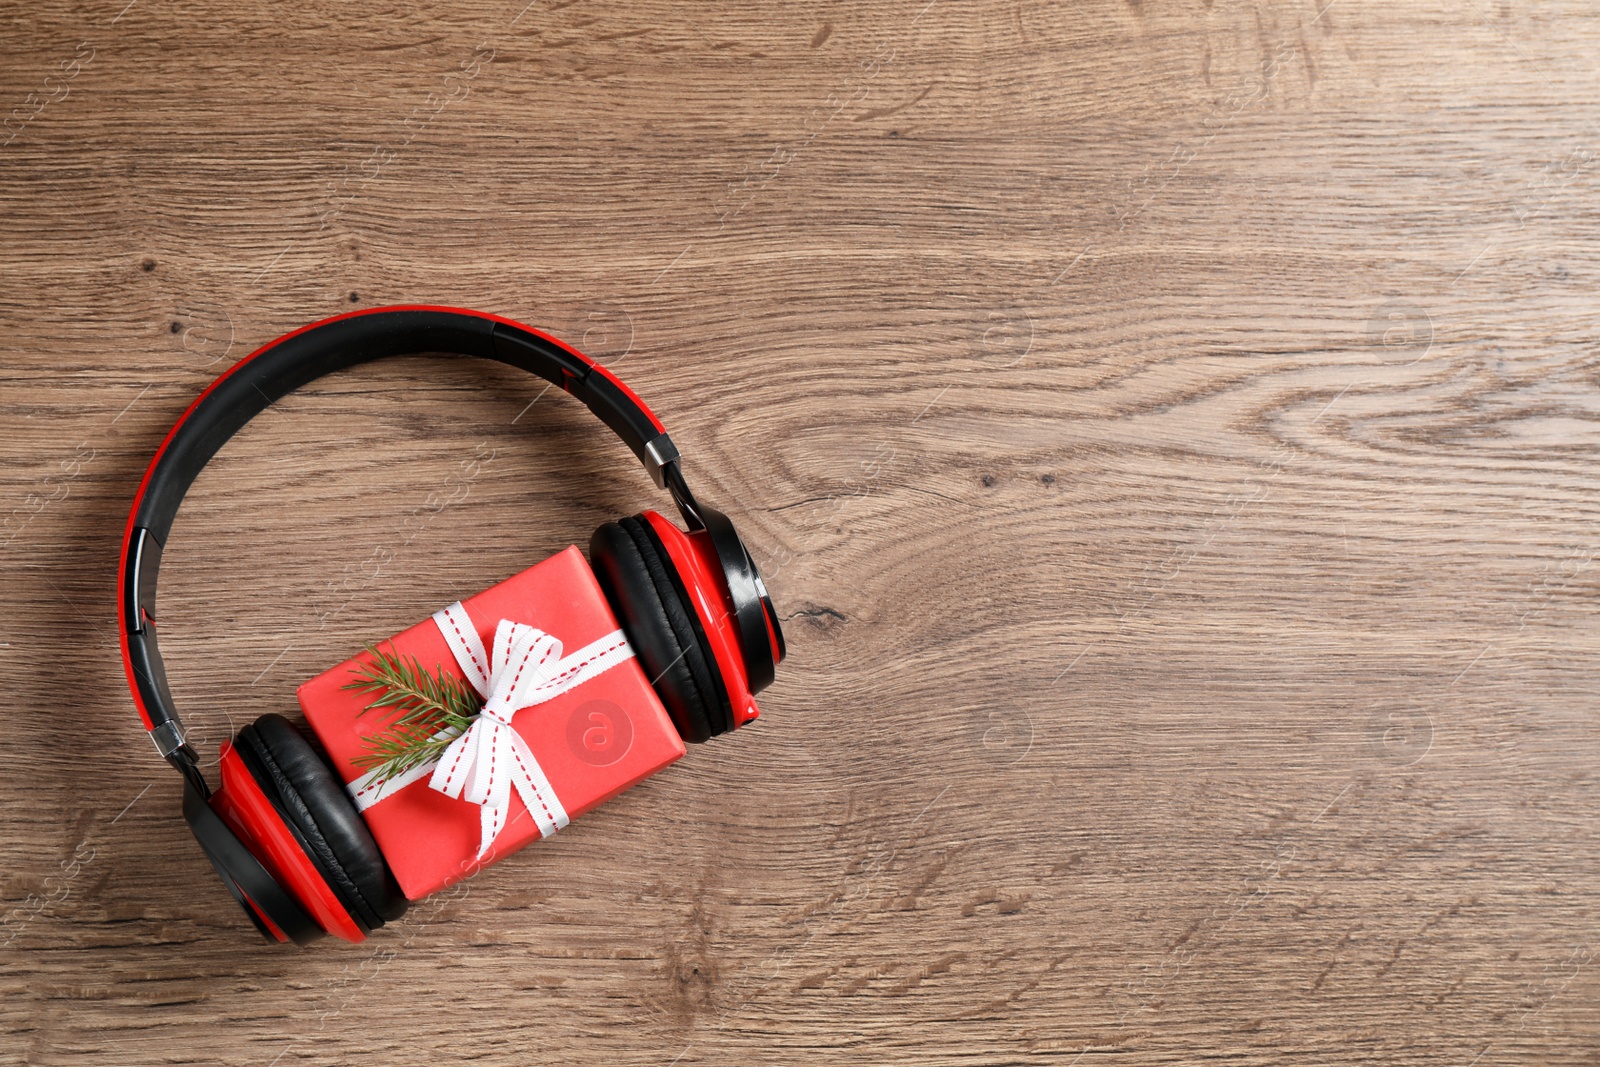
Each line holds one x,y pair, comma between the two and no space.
313,799
272,909
647,595
255,816
695,560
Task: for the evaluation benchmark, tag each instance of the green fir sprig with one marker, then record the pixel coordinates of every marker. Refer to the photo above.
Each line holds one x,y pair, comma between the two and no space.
433,710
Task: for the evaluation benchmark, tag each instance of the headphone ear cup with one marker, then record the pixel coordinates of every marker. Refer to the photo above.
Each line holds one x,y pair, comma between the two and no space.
271,908
641,583
313,799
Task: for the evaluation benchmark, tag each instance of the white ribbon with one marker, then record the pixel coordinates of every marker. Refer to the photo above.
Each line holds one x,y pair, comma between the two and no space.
490,759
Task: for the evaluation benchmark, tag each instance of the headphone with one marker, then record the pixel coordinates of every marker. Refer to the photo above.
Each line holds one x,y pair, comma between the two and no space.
280,829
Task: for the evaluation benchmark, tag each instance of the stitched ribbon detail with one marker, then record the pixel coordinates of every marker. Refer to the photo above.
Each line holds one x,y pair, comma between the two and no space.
490,759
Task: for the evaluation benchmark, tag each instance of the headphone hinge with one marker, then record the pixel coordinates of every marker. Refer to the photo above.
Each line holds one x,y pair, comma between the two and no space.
174,748
688,506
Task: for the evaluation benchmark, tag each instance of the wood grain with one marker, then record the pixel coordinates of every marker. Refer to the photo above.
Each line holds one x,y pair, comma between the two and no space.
1170,431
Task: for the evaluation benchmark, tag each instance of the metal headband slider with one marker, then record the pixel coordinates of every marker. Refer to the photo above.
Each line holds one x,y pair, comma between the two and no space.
168,737
659,454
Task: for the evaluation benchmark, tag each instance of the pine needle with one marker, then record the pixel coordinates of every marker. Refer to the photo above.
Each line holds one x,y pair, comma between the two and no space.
430,711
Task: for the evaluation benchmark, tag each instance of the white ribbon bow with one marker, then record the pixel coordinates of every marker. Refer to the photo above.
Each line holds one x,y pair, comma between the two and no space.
490,759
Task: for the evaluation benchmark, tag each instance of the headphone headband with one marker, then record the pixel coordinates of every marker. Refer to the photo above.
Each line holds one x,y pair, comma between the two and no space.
334,344
321,348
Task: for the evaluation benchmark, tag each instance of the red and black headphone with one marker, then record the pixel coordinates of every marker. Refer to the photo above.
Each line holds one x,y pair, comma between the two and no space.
280,829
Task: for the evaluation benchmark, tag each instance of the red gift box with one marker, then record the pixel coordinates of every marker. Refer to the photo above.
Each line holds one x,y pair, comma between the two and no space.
592,741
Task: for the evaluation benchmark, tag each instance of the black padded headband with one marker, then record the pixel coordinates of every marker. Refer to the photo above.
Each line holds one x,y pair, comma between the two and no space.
335,344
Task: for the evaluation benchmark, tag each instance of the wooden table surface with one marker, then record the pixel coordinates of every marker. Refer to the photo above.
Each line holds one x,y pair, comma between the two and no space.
1170,431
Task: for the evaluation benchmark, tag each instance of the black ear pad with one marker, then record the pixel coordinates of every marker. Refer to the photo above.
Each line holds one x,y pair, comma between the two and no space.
644,588
314,802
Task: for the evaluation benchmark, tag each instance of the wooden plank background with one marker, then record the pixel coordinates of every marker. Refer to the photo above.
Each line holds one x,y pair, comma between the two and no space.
1170,430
